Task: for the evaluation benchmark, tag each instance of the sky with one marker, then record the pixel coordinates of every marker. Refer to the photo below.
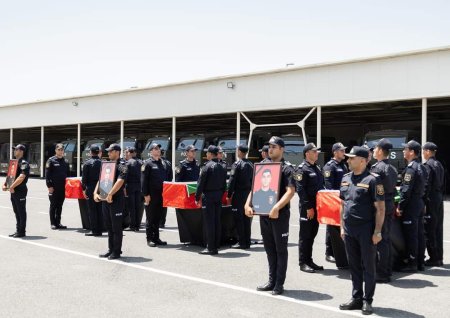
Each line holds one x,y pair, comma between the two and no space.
53,49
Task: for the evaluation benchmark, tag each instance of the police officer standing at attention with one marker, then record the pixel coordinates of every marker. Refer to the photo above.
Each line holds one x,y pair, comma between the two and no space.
133,189
154,172
89,180
220,156
19,190
309,180
239,188
362,216
275,226
388,177
333,171
189,169
434,206
210,188
264,153
411,205
56,172
113,207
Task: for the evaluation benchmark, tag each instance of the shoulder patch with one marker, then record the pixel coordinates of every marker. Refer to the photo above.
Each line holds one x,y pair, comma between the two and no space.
47,165
123,168
407,177
410,164
375,174
288,163
327,174
343,184
380,189
24,166
143,167
177,170
297,176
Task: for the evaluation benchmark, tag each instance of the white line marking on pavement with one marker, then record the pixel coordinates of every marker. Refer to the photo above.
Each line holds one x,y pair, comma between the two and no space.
5,207
190,278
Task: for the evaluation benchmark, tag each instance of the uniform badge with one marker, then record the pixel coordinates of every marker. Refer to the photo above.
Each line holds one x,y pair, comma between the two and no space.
327,174
407,177
177,170
47,165
143,168
298,176
123,168
271,199
23,166
380,189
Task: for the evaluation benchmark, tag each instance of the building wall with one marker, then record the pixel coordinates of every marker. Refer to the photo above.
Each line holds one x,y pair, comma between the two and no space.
399,77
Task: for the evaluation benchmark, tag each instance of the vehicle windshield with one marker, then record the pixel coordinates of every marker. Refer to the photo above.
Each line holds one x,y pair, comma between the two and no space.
69,146
163,142
295,146
198,143
94,141
230,144
396,141
128,143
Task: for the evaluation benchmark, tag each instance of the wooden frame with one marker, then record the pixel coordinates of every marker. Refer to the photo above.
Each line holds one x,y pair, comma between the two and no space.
107,177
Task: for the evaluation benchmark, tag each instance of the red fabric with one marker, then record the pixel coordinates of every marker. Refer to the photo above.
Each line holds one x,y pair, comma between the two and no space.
328,206
175,196
74,189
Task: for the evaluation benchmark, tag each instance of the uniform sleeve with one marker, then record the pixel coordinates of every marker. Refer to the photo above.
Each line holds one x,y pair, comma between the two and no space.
232,184
123,171
300,186
170,172
24,168
201,183
84,176
429,183
49,173
407,186
145,179
179,173
377,190
67,168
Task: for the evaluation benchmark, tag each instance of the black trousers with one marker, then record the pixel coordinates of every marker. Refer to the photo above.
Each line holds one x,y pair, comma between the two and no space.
440,233
212,211
361,255
275,233
243,223
153,212
384,264
413,231
95,214
134,205
19,202
308,232
113,218
162,222
328,247
433,226
56,203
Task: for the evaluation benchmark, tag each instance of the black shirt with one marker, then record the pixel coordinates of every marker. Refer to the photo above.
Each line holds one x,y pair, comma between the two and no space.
309,180
333,171
154,173
56,171
241,176
388,176
435,172
187,171
91,174
413,184
134,167
22,168
213,177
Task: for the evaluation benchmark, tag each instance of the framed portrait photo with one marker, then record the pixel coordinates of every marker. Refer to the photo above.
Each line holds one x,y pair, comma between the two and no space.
107,176
12,171
265,187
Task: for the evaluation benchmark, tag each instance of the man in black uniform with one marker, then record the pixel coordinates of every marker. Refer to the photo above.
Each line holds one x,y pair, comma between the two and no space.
309,180
411,207
211,185
220,157
238,190
388,177
56,171
154,172
113,207
434,217
275,226
333,171
189,169
89,180
19,190
133,189
264,153
362,215
162,222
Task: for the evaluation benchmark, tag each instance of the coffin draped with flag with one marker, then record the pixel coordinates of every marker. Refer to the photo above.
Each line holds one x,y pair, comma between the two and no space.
73,188
328,206
181,195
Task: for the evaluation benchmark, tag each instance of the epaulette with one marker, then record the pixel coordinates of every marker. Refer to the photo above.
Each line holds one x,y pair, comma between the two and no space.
347,174
376,175
287,163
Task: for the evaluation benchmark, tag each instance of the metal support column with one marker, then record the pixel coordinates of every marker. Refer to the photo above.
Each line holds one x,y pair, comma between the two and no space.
174,138
238,132
42,152
424,120
121,137
319,126
11,132
78,150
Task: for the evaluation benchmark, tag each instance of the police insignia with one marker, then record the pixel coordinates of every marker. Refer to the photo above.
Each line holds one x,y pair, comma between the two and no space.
123,168
327,174
23,166
380,189
143,168
177,170
271,199
407,177
298,176
47,165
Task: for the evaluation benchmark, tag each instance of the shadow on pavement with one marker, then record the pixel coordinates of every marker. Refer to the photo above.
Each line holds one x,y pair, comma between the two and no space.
306,295
394,313
34,238
135,259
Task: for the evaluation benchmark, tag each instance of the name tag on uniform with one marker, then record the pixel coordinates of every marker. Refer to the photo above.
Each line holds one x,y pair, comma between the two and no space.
189,169
339,170
154,167
313,174
363,185
344,184
56,164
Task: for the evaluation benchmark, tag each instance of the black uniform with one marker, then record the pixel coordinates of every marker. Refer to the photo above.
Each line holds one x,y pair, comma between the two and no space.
162,222
434,217
134,192
211,185
239,188
154,173
333,171
412,191
275,232
359,193
113,212
309,180
56,172
19,197
90,177
187,171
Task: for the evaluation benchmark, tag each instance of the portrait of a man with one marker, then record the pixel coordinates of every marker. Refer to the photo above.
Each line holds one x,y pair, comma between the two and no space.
265,187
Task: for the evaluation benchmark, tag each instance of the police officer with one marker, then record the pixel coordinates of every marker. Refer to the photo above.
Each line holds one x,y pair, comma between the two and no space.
89,180
113,207
238,190
133,189
411,206
19,190
188,170
309,180
333,171
220,157
275,226
56,171
434,217
362,215
211,185
162,222
264,153
388,177
154,172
